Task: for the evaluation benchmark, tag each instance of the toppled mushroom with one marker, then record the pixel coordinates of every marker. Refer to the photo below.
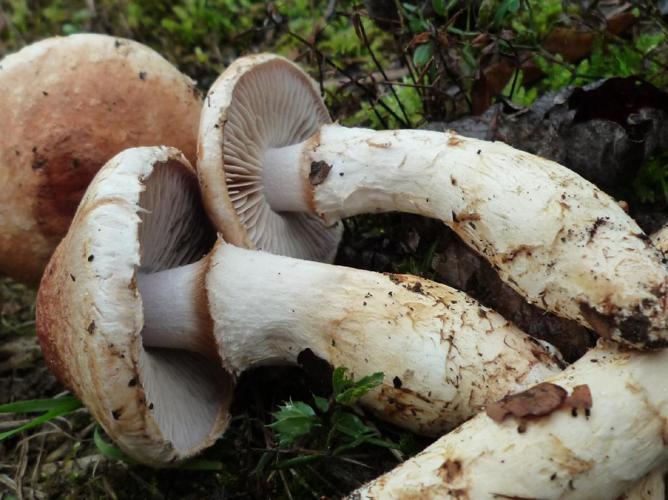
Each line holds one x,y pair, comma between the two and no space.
67,105
601,453
139,238
554,237
159,405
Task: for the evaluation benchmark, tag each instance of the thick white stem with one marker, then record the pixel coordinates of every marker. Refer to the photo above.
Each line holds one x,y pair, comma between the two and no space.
285,183
175,315
443,355
599,455
554,237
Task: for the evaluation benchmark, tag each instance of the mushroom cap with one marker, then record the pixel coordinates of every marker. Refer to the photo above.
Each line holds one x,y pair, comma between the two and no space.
67,105
142,212
260,102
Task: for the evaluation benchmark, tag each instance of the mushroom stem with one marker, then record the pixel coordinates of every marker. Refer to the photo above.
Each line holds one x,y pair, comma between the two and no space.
176,324
553,236
444,356
568,453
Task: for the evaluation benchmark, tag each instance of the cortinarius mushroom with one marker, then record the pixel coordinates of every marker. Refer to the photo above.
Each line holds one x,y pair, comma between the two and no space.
67,105
595,447
138,215
554,237
128,285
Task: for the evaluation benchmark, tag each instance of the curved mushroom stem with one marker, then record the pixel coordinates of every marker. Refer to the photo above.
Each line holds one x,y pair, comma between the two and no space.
443,355
564,454
554,237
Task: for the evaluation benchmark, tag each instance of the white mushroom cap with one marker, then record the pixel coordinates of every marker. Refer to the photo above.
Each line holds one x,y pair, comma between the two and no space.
257,105
67,105
159,405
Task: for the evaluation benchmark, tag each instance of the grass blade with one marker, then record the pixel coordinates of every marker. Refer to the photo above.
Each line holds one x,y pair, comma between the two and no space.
35,405
63,407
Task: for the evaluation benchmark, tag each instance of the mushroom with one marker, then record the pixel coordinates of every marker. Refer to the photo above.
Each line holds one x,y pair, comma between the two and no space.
67,105
159,405
597,448
136,278
268,154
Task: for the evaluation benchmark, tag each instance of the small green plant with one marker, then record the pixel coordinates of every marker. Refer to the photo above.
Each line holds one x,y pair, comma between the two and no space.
326,428
517,93
405,98
651,183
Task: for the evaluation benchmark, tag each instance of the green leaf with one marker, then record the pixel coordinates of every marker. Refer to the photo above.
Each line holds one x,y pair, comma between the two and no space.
360,388
506,7
439,7
293,421
56,408
351,425
108,450
263,462
339,380
35,405
322,404
422,54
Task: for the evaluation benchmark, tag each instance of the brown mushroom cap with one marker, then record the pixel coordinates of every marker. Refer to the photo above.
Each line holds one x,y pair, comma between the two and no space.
260,102
67,105
141,213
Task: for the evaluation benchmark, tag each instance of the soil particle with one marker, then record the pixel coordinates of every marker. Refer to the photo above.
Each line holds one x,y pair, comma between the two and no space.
319,172
594,228
454,140
450,470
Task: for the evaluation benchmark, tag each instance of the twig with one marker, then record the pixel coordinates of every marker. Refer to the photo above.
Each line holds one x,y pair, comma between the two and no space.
359,25
372,98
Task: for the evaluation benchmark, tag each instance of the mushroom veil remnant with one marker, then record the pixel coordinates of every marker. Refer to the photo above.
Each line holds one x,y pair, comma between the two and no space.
267,152
138,311
67,105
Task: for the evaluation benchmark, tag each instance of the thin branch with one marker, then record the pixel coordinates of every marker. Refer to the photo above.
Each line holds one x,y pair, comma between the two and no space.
370,95
362,31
